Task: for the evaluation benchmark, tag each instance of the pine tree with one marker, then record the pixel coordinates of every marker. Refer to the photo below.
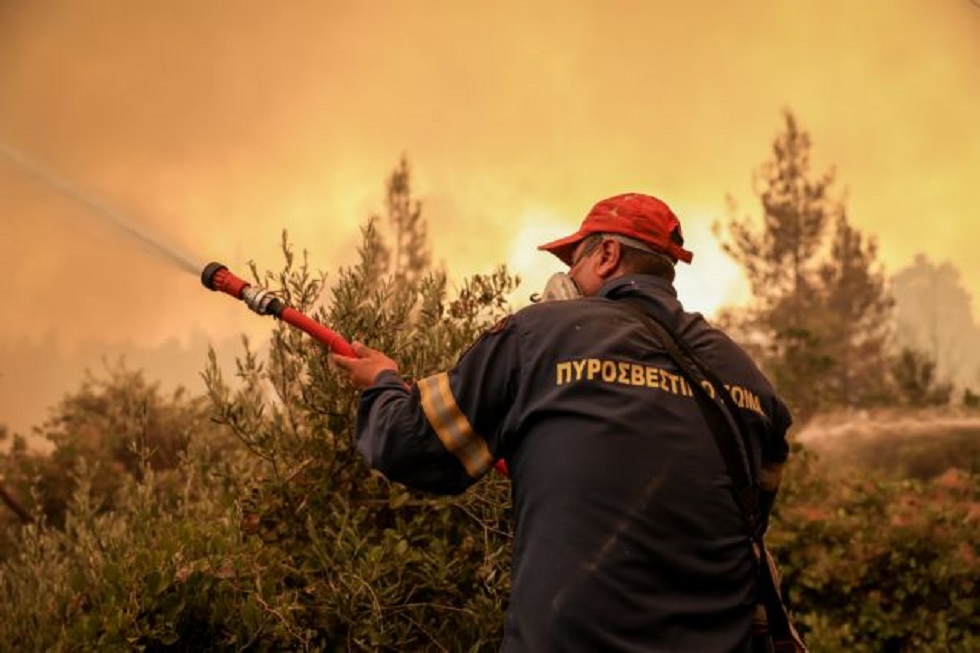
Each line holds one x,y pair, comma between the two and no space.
819,305
410,257
778,259
856,312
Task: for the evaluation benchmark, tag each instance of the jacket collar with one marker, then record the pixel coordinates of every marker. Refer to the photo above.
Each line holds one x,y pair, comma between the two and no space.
659,293
642,284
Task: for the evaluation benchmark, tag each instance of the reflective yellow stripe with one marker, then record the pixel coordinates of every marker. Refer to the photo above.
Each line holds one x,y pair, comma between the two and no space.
452,427
770,475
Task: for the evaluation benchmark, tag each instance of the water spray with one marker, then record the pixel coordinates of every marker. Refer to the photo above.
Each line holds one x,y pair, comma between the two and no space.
216,276
168,251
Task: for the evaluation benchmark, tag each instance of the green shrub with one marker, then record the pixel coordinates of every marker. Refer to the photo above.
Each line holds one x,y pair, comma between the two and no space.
120,424
379,567
143,575
881,565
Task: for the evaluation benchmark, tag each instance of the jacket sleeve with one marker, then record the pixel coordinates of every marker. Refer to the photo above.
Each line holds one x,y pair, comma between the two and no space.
447,430
774,455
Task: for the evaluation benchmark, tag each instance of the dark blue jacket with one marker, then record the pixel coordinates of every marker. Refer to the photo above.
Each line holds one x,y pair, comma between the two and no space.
627,535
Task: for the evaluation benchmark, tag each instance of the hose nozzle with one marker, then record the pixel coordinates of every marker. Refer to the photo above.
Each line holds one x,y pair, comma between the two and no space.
217,277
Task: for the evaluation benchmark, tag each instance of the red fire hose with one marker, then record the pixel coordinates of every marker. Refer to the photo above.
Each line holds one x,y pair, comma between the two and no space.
218,277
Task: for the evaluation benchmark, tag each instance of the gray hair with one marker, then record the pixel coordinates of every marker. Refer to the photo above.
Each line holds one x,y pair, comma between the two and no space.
638,257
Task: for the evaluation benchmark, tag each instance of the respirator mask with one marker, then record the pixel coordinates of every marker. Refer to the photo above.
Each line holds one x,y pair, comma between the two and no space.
559,286
562,286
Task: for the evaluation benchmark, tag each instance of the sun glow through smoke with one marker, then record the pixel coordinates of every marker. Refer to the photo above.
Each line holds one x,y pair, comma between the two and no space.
712,280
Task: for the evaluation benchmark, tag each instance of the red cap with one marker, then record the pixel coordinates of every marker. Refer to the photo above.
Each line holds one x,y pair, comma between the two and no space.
642,217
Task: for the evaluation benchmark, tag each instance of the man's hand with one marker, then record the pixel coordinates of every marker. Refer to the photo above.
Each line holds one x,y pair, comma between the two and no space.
365,368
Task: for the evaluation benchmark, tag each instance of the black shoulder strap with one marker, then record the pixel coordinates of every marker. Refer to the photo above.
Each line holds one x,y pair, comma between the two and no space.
719,410
729,430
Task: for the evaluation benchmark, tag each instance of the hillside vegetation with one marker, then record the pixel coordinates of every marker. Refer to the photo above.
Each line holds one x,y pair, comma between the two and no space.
243,519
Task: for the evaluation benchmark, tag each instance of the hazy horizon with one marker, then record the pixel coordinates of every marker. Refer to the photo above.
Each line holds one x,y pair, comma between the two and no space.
214,130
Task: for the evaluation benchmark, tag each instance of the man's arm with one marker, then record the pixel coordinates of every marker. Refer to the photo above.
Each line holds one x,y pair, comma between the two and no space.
775,451
445,431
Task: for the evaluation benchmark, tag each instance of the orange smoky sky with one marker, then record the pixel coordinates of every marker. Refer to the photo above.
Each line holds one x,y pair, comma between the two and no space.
214,126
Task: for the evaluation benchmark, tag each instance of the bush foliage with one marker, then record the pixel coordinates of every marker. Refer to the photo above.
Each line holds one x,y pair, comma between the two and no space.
278,537
245,520
878,564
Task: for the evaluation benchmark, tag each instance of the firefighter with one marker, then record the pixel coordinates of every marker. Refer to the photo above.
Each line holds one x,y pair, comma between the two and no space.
627,536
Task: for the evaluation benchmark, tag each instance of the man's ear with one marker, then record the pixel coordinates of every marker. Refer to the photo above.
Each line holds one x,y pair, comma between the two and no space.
610,257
